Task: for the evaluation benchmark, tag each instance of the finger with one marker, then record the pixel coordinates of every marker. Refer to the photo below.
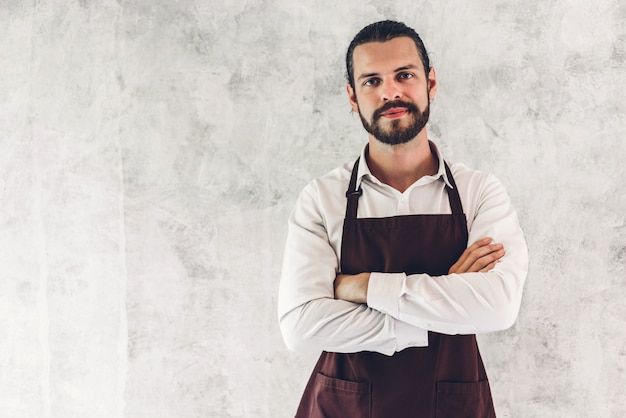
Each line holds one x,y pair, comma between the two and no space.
476,254
486,260
469,256
480,243
464,260
488,267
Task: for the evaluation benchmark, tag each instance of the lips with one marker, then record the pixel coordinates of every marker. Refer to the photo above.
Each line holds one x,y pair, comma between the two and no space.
395,112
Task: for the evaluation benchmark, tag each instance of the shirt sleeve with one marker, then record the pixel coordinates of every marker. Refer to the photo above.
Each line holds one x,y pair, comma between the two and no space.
310,318
465,303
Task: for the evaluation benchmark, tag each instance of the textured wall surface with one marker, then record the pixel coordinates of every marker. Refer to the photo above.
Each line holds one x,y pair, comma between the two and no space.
151,151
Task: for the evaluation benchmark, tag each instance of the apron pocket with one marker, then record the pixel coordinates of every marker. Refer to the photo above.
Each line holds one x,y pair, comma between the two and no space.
340,398
470,400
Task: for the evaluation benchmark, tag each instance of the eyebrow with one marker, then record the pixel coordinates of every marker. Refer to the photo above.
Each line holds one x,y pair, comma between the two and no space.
397,70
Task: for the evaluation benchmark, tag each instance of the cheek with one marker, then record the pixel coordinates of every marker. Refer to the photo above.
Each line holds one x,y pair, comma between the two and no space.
364,104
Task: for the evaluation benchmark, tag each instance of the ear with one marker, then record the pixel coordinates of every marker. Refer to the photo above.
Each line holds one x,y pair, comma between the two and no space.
432,84
352,97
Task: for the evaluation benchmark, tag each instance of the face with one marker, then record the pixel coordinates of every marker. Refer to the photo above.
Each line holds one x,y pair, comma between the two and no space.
391,90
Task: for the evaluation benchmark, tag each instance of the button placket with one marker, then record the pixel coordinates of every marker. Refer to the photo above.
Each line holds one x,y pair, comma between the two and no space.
403,205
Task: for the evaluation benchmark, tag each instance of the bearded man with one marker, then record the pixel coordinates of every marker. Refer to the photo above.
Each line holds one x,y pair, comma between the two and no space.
393,263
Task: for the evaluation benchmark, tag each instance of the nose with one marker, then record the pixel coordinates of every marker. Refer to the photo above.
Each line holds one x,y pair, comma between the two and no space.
391,91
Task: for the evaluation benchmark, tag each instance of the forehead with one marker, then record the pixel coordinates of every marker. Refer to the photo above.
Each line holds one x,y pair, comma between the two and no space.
374,57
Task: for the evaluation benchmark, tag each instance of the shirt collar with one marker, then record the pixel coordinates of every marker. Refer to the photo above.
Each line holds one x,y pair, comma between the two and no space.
364,169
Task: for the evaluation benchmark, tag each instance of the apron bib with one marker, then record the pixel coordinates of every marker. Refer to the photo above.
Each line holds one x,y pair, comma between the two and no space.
447,379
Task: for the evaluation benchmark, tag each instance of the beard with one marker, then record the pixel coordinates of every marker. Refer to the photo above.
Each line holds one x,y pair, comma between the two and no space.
395,134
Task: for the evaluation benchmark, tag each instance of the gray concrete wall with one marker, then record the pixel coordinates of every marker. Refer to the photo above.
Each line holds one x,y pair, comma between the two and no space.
151,151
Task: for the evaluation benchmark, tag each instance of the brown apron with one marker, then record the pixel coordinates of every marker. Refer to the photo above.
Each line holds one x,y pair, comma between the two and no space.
447,379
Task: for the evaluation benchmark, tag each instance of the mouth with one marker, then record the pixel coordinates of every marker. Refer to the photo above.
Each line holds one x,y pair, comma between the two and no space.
395,112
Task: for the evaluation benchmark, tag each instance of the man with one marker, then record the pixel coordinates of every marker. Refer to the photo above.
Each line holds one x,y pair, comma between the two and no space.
377,269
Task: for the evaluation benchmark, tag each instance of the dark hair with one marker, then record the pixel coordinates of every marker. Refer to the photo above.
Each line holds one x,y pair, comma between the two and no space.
383,31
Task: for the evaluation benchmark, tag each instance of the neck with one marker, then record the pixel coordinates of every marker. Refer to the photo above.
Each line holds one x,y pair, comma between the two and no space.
399,166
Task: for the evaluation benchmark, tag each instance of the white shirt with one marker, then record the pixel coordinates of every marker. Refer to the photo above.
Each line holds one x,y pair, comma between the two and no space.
400,308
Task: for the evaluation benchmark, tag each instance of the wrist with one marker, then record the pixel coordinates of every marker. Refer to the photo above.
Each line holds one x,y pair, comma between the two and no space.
360,287
352,288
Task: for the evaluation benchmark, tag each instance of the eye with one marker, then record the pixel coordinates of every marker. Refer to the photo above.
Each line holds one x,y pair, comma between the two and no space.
371,82
405,76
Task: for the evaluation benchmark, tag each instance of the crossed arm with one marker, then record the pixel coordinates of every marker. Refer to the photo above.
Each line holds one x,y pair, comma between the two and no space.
482,256
320,309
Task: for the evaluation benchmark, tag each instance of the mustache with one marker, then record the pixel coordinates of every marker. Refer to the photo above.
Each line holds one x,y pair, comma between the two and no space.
390,105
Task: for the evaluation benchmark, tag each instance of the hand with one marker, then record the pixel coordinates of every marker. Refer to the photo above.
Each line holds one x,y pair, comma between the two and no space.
352,287
481,256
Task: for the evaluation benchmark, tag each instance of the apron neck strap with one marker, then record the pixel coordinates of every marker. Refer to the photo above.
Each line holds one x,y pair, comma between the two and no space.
453,193
353,194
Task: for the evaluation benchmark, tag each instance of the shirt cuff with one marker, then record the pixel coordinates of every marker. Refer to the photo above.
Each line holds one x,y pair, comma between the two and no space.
408,335
384,291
